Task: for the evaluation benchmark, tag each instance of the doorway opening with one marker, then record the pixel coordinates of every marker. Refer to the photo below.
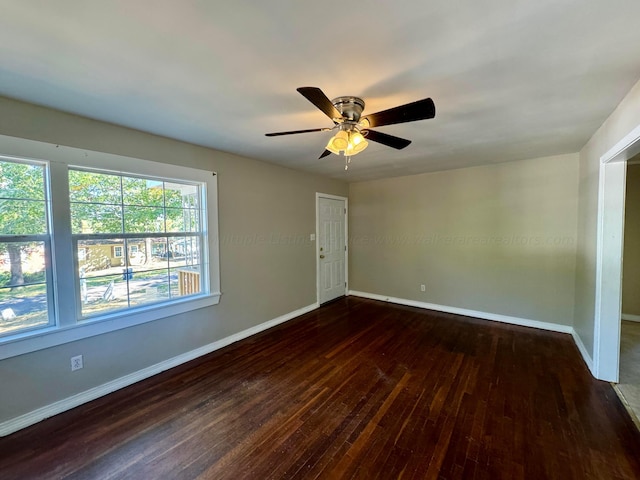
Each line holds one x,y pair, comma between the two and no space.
628,387
610,235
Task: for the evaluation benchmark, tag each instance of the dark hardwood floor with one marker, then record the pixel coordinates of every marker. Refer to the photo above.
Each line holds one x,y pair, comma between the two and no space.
356,389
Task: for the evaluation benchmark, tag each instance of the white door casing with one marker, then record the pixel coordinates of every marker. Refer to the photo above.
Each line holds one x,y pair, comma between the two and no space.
331,246
610,236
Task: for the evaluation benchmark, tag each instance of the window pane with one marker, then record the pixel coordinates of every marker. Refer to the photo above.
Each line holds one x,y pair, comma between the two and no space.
184,251
137,253
90,187
23,307
173,195
143,219
96,218
21,180
148,286
22,217
139,191
179,195
22,263
176,220
183,220
193,200
185,281
194,220
192,250
147,253
103,294
159,250
101,256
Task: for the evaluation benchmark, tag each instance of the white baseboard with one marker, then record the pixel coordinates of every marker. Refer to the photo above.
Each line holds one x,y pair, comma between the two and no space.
9,426
525,322
630,318
583,351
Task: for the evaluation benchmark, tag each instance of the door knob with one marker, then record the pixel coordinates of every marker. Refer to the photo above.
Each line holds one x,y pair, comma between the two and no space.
321,256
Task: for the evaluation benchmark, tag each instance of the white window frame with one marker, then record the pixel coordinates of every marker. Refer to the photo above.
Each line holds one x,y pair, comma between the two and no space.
117,251
132,250
68,326
45,238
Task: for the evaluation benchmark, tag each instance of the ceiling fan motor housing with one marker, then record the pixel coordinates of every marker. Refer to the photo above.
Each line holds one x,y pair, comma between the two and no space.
350,107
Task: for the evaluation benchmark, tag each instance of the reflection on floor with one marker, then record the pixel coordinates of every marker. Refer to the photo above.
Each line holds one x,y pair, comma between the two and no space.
629,386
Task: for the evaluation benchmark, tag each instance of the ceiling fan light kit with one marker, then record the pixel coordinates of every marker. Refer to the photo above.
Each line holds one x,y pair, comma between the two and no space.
345,112
347,143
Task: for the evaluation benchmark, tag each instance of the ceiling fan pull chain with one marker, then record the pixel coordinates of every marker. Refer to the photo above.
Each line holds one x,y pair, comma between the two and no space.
347,161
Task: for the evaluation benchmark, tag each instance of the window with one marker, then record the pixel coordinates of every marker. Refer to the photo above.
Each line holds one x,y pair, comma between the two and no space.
121,213
130,244
25,280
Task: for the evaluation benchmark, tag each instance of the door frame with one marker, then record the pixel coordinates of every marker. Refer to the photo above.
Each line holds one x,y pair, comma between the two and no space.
346,241
609,252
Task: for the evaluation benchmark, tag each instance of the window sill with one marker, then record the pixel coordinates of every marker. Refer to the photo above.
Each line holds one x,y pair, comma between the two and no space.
32,341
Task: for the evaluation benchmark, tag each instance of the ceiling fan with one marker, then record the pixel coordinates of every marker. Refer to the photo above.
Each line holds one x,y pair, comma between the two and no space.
353,129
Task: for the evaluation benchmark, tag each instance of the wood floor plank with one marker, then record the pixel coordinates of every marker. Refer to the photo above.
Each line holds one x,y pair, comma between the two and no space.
356,389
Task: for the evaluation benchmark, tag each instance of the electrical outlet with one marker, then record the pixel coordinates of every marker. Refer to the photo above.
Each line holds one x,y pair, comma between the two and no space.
423,288
76,363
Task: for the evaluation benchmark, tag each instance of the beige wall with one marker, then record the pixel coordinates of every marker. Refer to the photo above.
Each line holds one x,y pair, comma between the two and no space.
498,239
267,268
631,263
623,120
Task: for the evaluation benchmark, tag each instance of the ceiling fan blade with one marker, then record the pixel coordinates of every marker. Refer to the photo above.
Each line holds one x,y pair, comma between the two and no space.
320,100
388,140
324,154
293,132
411,112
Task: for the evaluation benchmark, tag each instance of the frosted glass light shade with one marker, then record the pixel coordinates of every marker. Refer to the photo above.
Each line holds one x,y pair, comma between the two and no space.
357,143
349,143
340,141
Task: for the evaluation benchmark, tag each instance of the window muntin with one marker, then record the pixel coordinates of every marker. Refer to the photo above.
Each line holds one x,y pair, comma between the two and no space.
156,222
25,274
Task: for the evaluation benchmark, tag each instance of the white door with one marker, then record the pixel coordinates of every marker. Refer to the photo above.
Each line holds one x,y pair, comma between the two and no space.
331,248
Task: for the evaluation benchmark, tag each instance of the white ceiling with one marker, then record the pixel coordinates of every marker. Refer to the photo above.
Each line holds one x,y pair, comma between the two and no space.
511,79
